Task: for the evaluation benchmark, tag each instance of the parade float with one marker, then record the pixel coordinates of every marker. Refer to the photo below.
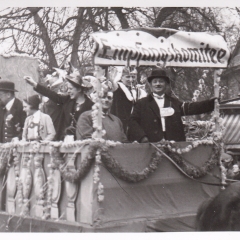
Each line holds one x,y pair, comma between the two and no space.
97,185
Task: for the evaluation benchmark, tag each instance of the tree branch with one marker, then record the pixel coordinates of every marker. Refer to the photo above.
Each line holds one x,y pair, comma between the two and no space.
121,17
163,15
44,36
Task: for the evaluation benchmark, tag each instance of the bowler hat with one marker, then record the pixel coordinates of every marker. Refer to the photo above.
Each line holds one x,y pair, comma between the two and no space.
158,73
7,86
33,101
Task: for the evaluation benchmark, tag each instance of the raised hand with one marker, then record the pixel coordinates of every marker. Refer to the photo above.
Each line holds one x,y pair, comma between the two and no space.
30,81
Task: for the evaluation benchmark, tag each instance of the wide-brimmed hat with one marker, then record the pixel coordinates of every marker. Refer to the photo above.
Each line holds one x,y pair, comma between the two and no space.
7,86
76,80
158,73
33,101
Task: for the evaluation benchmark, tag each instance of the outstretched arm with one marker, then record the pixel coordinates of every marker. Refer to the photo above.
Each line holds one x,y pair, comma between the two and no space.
46,91
195,108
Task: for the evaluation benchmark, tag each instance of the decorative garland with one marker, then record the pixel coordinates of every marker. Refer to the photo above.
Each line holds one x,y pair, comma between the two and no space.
55,162
199,171
4,162
26,202
74,176
115,168
99,153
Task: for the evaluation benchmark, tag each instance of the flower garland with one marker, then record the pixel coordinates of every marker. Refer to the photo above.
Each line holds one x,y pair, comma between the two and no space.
55,162
4,162
96,178
22,193
25,193
194,171
38,164
115,168
74,176
101,153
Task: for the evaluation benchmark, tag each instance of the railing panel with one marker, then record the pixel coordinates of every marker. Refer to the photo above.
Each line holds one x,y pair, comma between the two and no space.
36,188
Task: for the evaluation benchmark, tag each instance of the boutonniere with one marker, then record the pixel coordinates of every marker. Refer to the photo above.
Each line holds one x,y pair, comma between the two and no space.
18,127
9,117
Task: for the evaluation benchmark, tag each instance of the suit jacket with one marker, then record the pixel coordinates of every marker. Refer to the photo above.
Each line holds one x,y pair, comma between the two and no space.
121,107
46,131
13,127
145,120
67,103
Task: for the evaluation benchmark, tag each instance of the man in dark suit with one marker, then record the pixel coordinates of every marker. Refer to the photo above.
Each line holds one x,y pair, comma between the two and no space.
125,96
158,116
12,116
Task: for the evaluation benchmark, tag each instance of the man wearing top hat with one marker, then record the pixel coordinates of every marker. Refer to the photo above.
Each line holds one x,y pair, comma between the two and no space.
73,104
12,116
158,116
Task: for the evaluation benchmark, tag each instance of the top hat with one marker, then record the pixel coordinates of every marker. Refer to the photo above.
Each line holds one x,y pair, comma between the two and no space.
33,101
76,80
7,86
158,73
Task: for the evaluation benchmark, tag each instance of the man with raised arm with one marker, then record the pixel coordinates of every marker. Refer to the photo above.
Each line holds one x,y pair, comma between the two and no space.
158,116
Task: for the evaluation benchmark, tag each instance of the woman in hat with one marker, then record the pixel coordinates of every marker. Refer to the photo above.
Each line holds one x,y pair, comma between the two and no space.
38,125
73,105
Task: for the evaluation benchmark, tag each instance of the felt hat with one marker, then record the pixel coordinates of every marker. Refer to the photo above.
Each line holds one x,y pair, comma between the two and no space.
76,80
7,86
33,101
158,73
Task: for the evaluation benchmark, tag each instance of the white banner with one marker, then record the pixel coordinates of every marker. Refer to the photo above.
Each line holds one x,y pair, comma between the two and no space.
160,47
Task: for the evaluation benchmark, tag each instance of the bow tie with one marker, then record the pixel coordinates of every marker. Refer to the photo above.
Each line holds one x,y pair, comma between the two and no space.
158,97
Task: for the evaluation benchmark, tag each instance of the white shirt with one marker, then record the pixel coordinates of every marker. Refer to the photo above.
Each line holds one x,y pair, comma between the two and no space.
36,117
9,104
32,132
160,103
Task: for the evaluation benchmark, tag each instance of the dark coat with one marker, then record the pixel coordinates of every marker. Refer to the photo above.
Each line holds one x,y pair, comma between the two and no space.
121,107
68,105
145,120
15,126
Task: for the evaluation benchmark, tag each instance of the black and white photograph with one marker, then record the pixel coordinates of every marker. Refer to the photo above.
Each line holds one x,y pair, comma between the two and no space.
119,118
